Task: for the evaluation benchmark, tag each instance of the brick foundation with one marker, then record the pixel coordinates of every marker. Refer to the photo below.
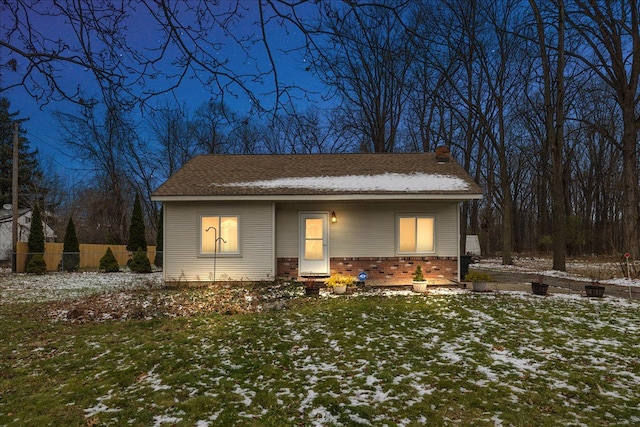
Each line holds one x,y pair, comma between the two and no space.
287,268
382,269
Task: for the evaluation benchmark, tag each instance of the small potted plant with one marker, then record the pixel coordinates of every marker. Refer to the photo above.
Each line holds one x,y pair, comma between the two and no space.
539,287
478,279
311,287
419,282
339,283
595,289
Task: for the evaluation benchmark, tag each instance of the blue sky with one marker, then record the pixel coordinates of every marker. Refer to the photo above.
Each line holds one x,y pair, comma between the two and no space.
142,32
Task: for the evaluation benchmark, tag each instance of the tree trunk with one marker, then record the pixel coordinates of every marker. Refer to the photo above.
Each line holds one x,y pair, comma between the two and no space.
557,150
630,193
554,127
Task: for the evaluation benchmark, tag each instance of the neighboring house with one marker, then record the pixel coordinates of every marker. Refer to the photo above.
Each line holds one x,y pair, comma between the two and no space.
24,226
258,217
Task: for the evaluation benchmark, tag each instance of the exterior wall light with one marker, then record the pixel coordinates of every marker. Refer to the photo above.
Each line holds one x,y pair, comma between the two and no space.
334,219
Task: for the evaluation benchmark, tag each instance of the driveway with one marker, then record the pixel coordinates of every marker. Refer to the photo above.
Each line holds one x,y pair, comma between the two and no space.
512,281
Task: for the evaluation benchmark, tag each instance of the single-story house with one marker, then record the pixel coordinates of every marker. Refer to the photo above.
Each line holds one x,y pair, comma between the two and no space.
260,217
24,227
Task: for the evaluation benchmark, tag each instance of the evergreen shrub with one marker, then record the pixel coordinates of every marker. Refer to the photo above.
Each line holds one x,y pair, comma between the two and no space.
140,263
108,262
159,237
36,265
36,236
137,239
71,249
418,276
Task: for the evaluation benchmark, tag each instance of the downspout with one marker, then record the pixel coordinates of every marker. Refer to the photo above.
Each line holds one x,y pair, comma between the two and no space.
458,239
273,240
164,253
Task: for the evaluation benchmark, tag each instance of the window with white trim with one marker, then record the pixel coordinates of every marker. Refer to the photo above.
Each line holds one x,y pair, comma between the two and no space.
416,234
219,234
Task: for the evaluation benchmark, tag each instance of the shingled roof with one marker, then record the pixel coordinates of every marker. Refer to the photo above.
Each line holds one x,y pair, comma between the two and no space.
281,176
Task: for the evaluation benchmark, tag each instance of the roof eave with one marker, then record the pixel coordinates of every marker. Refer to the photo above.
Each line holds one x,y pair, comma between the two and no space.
319,197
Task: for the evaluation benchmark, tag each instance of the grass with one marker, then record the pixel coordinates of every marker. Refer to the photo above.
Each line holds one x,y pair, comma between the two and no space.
457,359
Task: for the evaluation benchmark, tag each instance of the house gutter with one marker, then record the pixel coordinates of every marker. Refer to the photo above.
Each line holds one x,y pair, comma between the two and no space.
319,197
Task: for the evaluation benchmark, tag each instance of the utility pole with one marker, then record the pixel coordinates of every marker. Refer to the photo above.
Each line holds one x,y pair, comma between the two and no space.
14,199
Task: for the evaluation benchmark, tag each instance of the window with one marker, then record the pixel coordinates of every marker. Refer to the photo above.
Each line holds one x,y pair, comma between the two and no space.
219,234
416,234
313,239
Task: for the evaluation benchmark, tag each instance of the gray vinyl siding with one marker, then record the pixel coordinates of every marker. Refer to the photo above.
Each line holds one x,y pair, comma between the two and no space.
367,229
447,235
182,259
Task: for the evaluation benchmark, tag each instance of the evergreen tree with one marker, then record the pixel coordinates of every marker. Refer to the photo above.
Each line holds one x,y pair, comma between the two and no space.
29,173
71,249
137,239
36,265
36,236
108,262
159,243
140,262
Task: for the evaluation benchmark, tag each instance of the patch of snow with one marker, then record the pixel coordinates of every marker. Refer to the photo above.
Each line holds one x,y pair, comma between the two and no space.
60,286
449,352
491,376
152,380
359,420
321,417
496,421
422,389
579,270
319,367
392,182
246,394
507,358
306,402
101,355
100,407
158,420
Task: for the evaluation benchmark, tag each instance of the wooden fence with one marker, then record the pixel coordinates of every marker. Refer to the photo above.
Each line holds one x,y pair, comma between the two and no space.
89,255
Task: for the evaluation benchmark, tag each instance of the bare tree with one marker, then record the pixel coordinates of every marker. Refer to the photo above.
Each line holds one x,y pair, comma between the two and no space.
181,40
457,27
597,169
212,123
301,133
247,136
367,62
172,130
610,32
429,105
94,43
488,87
102,140
553,72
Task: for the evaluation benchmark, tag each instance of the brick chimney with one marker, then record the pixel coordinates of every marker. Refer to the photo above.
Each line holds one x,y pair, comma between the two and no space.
442,153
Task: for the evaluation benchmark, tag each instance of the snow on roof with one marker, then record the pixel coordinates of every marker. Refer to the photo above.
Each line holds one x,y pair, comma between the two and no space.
392,182
408,175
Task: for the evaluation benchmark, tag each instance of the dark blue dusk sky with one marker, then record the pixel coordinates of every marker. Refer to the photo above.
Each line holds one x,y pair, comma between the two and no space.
142,32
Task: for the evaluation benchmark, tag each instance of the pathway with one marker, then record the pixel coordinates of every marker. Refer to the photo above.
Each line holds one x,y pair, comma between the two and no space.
506,280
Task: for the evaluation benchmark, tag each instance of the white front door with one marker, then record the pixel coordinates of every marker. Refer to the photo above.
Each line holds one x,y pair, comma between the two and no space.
314,244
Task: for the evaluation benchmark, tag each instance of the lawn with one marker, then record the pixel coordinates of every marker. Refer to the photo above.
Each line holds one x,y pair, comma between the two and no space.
444,358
